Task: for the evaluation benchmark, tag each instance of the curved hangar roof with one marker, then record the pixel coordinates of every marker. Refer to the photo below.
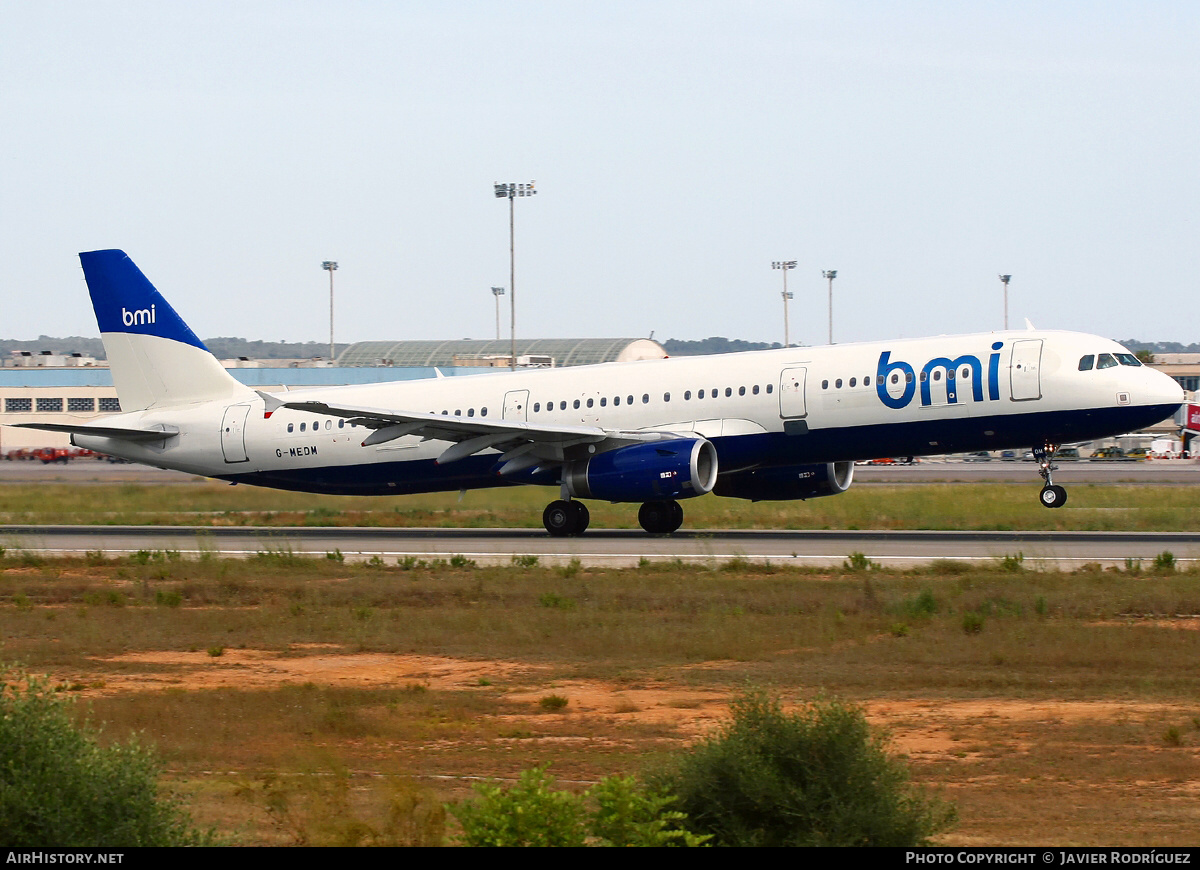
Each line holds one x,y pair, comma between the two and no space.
565,351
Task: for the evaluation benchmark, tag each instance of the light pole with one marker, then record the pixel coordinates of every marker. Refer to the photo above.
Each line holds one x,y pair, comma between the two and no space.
497,292
510,192
786,266
330,266
830,274
1005,279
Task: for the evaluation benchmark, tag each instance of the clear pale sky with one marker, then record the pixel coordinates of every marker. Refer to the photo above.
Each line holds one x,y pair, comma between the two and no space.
919,148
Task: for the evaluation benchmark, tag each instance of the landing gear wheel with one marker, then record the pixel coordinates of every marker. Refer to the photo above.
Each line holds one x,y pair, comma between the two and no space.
560,518
1053,496
582,516
660,517
676,516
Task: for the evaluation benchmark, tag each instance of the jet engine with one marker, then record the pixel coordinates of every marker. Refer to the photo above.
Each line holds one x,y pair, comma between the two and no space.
655,471
783,484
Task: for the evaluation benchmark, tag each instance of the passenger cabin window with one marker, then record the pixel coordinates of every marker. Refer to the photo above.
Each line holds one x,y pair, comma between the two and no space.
1086,362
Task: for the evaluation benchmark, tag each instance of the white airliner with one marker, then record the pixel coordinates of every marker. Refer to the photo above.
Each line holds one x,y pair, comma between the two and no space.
765,425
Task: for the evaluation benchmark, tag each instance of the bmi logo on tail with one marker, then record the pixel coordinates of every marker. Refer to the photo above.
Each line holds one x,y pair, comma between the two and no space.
137,318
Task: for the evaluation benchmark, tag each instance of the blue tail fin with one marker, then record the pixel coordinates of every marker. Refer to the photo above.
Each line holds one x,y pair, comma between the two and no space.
155,358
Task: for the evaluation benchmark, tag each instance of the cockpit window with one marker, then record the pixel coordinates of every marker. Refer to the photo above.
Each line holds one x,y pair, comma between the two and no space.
1086,362
1128,359
1105,361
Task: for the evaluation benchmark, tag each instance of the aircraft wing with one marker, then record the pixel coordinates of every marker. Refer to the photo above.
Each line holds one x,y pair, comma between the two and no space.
522,445
121,433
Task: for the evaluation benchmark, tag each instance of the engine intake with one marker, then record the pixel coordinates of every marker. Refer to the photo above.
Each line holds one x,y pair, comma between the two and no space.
676,468
784,484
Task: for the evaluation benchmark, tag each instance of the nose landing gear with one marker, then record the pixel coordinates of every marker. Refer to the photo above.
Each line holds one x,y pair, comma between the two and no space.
1052,495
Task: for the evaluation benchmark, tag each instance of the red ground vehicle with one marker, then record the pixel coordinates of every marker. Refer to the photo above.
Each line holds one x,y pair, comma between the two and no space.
52,454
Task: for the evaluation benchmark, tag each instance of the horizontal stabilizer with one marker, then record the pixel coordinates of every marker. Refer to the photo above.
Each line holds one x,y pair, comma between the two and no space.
121,433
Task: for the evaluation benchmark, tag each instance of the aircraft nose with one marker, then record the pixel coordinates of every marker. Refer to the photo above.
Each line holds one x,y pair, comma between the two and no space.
1160,389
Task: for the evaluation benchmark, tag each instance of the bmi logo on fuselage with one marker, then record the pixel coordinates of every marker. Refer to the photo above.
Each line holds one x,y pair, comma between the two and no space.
968,365
141,317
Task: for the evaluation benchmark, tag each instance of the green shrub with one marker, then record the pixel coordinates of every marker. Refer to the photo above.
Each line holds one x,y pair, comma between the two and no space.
816,777
628,814
618,811
60,787
529,813
1164,562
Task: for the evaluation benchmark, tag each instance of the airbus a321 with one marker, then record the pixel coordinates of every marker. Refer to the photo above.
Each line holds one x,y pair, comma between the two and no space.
764,425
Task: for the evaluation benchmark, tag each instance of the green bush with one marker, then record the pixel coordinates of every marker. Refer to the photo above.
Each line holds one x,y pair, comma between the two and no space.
529,813
816,777
618,811
60,787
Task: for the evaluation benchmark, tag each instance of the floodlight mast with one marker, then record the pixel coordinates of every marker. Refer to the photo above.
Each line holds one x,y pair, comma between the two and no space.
511,191
1004,280
786,266
330,266
829,275
497,292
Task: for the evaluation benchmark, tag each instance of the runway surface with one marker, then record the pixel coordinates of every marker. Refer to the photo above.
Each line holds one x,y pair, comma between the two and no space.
1160,472
615,547
624,547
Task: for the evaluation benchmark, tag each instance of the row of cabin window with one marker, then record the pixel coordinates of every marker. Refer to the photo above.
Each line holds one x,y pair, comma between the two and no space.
317,425
908,378
1107,361
687,396
76,405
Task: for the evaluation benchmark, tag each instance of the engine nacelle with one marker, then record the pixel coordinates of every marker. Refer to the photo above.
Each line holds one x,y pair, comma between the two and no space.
783,484
655,471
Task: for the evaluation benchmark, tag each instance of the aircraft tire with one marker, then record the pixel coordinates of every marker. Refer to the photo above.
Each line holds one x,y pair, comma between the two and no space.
560,519
582,516
660,517
1053,496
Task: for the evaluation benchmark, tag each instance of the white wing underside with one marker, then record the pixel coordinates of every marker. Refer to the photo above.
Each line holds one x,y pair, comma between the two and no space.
521,445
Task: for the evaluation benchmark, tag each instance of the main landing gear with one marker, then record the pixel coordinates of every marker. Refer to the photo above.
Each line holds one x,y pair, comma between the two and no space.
1052,495
566,518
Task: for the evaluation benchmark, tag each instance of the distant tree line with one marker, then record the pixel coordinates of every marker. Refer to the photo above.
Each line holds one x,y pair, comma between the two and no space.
223,348
231,348
716,344
1161,346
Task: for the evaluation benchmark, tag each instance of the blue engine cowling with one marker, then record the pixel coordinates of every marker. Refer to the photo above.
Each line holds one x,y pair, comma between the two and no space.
783,484
657,470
